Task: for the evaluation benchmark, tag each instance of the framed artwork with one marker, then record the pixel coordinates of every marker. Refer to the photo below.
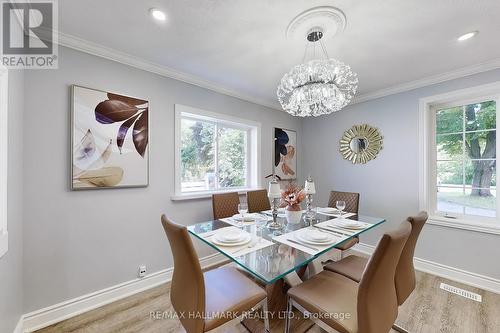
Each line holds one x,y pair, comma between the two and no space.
109,140
285,153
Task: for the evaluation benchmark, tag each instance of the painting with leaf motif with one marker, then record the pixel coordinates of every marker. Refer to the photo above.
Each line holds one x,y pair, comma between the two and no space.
285,153
110,135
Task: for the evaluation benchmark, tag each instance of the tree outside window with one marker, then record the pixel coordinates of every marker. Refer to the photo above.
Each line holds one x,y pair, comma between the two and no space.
466,159
213,156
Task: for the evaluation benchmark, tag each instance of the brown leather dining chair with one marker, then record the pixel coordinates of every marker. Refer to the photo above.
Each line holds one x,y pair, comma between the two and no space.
351,206
258,201
225,204
206,301
353,266
338,302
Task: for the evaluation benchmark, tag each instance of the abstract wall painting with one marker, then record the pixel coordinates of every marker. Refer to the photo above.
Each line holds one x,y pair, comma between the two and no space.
285,153
110,136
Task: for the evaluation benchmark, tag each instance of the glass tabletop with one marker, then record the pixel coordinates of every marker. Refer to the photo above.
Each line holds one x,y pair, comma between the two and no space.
273,262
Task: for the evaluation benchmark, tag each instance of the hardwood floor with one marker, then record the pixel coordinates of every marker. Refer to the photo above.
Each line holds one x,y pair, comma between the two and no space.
429,309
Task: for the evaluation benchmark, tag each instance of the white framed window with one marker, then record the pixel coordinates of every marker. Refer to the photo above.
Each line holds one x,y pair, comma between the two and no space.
214,153
4,239
458,177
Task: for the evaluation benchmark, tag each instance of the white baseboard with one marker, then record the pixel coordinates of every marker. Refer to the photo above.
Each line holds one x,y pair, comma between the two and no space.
447,272
53,314
19,326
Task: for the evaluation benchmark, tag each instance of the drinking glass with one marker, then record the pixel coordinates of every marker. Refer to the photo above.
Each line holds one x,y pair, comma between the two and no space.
259,224
242,209
340,206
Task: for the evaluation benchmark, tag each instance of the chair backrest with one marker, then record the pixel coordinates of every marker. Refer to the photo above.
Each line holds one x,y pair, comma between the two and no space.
405,272
377,299
258,201
187,290
351,200
225,204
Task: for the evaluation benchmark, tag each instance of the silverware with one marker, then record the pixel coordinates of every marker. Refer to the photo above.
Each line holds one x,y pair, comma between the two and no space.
302,244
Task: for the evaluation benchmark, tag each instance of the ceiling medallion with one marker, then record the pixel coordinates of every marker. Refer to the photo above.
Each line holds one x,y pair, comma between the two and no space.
319,86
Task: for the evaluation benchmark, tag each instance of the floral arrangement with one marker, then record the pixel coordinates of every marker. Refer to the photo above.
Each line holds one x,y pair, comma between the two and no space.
292,196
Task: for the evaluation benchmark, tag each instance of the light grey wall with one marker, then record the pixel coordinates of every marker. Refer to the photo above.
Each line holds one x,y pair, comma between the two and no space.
11,264
389,184
80,242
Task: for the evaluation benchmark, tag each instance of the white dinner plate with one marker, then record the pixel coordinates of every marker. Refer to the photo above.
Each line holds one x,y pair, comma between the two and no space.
246,217
348,224
315,237
245,239
328,210
230,235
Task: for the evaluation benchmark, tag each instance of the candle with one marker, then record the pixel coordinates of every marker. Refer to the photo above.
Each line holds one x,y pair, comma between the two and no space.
309,187
274,190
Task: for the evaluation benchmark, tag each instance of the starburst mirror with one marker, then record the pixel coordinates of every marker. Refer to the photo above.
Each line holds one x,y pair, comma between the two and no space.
361,143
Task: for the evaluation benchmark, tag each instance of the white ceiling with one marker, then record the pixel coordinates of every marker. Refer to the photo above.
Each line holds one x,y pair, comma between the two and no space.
240,45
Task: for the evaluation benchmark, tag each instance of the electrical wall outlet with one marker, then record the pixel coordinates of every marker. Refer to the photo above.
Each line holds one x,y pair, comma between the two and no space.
142,271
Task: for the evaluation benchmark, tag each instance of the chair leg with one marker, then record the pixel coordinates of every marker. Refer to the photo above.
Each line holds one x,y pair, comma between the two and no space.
266,317
399,328
289,309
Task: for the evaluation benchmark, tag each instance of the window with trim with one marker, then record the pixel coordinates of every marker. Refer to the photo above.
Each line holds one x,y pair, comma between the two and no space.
458,158
214,152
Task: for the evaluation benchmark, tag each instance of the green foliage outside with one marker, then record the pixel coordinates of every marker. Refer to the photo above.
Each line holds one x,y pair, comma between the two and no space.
478,145
198,153
232,153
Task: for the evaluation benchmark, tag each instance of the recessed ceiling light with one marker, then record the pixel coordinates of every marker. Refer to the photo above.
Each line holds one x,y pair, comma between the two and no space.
158,14
467,36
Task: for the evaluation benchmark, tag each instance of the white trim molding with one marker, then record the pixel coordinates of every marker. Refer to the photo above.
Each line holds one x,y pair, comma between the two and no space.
102,51
427,157
4,139
430,80
55,313
19,326
99,50
447,272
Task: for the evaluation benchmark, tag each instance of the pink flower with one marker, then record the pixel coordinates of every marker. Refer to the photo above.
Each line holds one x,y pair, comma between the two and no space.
292,196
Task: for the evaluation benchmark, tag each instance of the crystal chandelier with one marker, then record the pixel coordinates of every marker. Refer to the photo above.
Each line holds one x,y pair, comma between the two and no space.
319,86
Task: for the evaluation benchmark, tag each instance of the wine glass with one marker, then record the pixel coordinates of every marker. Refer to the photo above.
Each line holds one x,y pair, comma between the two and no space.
260,224
242,209
340,206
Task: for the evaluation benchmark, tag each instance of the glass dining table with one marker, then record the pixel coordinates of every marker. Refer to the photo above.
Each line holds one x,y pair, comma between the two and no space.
277,260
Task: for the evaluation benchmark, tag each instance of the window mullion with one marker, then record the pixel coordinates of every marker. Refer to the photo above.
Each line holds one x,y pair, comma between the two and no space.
216,155
463,155
247,159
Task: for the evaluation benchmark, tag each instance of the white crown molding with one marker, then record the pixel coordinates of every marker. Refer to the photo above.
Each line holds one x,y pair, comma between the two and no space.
430,80
447,272
99,50
86,46
50,315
